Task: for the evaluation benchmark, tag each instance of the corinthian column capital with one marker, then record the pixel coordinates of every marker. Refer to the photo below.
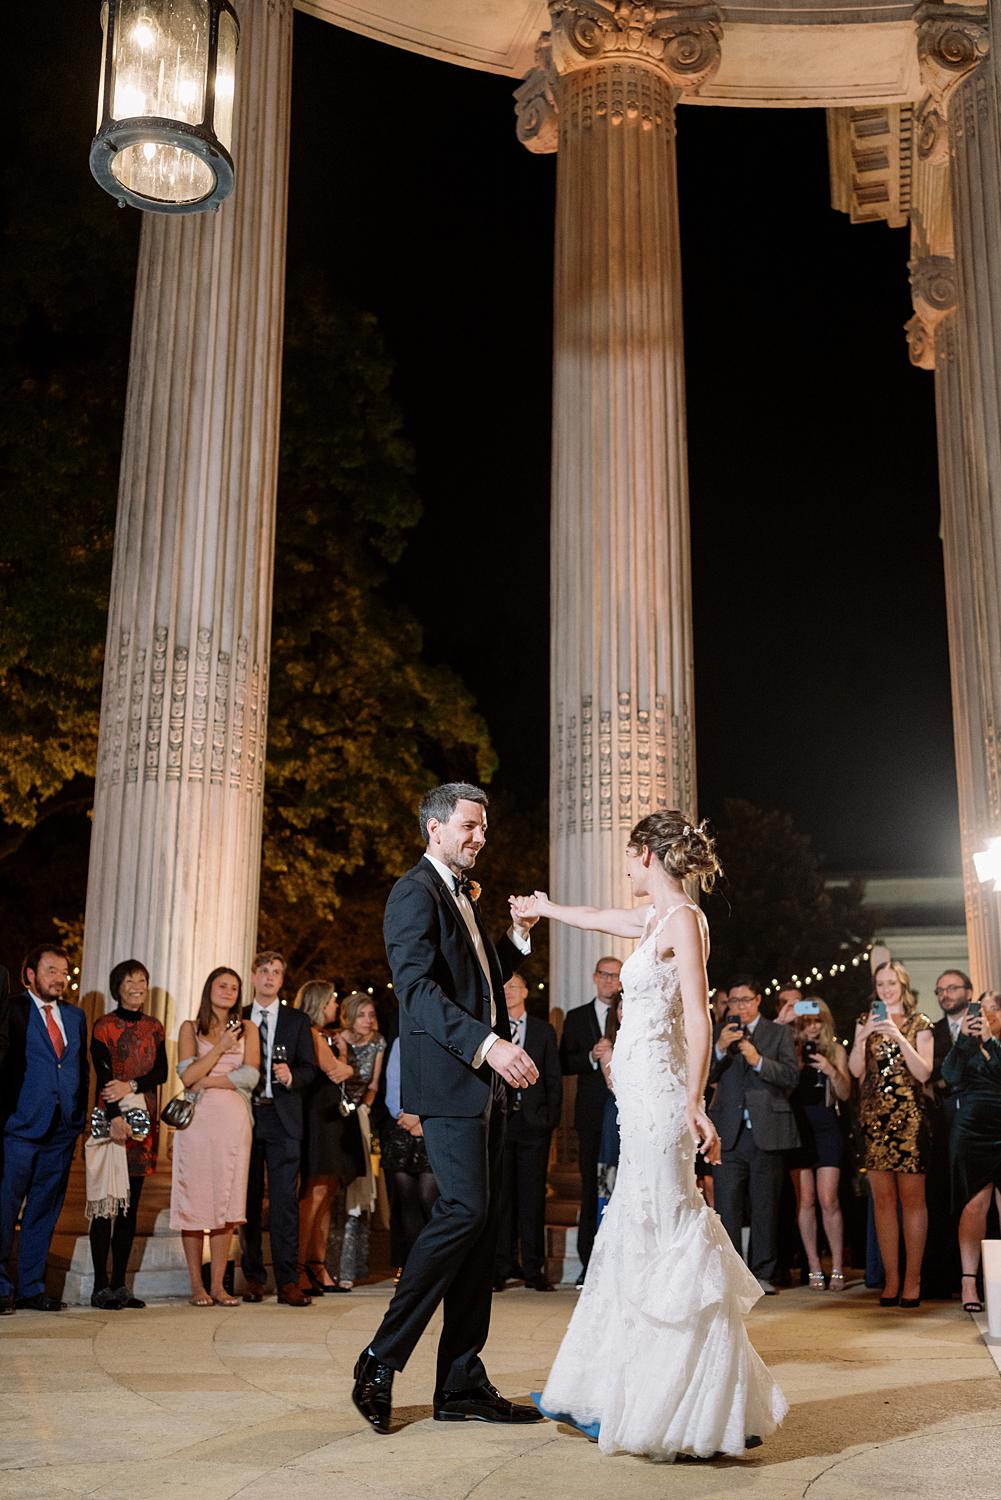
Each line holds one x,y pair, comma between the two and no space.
681,41
536,114
933,292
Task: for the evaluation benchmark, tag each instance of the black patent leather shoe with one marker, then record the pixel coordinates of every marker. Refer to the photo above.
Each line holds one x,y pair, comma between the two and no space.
41,1303
373,1391
6,1307
482,1404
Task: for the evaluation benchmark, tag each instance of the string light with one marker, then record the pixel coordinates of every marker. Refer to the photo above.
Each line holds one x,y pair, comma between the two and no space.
813,976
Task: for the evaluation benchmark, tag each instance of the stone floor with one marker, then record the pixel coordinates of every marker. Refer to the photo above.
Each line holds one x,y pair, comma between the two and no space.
254,1401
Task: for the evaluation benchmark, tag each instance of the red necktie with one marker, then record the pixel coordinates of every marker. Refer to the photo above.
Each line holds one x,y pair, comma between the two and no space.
55,1035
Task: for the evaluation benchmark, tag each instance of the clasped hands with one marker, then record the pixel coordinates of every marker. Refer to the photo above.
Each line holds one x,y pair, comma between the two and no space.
734,1032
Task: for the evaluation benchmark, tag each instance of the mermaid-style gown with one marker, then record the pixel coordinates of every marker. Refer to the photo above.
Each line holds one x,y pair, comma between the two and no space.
656,1354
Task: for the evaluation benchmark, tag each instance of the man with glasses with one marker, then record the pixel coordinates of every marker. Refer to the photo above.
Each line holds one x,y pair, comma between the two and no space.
940,1275
953,991
588,1033
755,1069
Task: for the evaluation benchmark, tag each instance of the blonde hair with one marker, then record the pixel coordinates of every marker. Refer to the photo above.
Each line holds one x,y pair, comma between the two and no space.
827,1037
312,998
909,1000
351,1005
684,847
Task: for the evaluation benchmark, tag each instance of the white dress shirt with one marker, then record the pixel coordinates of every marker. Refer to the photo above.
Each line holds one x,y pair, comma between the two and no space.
601,1009
954,1024
466,912
54,1005
257,1010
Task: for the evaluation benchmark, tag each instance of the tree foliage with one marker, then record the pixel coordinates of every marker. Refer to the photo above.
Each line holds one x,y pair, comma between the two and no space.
774,914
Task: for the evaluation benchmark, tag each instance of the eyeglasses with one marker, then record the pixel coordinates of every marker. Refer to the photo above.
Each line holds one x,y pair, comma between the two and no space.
948,989
606,973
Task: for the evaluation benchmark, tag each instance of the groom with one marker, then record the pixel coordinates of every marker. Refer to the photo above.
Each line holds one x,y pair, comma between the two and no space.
454,1064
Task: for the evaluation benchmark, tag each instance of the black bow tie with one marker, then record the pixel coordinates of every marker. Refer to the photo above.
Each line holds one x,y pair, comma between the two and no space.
464,886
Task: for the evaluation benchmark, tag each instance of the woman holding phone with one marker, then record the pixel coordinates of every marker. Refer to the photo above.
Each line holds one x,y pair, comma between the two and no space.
973,1069
815,1168
891,1057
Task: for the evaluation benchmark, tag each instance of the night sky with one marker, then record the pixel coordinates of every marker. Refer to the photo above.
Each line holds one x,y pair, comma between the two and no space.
821,653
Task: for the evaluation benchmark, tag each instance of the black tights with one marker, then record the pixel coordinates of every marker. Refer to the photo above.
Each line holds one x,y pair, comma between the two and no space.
412,1200
115,1235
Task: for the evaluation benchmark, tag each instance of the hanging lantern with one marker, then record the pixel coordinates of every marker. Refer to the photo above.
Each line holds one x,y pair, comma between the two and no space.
165,109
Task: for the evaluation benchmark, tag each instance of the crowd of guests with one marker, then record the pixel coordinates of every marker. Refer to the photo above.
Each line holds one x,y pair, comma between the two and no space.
283,1100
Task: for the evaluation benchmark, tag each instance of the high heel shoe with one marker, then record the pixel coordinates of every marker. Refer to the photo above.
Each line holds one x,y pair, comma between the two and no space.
976,1305
890,1301
910,1301
816,1281
316,1288
837,1281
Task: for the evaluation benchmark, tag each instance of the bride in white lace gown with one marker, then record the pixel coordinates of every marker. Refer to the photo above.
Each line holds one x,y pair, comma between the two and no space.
656,1359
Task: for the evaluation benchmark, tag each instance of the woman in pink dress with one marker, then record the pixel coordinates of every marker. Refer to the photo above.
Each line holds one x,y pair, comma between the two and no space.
219,1056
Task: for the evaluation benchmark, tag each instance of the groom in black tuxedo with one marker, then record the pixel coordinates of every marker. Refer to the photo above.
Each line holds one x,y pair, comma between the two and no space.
455,1061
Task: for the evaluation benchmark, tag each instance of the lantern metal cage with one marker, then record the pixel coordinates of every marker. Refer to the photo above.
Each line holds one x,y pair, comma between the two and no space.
166,103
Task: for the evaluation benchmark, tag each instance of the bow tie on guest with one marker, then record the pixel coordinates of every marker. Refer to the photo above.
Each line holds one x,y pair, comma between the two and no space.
468,888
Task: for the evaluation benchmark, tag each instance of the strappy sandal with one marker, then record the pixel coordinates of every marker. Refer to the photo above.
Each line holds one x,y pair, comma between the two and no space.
976,1305
201,1299
226,1301
837,1281
816,1282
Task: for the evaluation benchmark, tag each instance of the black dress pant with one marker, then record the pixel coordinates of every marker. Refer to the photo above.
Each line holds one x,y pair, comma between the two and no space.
277,1151
588,1148
750,1178
522,1237
452,1260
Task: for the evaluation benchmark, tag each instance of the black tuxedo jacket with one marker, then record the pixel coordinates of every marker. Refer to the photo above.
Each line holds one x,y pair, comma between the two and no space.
294,1033
942,1038
580,1032
14,1012
443,995
542,1102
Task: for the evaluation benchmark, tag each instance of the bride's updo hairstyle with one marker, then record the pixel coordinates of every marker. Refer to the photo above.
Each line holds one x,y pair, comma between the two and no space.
684,848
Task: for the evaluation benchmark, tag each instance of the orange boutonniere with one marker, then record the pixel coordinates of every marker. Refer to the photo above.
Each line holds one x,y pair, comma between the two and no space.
470,888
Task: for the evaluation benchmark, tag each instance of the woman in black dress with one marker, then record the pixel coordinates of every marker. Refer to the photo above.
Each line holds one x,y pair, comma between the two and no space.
409,1178
331,1148
815,1168
129,1055
973,1069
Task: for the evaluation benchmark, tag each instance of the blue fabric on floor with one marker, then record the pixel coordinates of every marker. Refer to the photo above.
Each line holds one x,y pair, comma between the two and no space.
591,1430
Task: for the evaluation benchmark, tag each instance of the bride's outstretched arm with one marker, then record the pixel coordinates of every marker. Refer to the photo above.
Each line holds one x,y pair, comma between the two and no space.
626,921
684,934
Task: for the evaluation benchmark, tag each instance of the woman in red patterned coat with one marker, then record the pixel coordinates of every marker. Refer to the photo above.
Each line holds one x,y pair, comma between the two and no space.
127,1048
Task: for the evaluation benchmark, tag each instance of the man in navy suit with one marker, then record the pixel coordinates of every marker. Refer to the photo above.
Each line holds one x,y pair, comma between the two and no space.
44,1082
456,1057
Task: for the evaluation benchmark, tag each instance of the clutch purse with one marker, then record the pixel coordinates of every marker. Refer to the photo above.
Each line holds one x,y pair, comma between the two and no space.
179,1111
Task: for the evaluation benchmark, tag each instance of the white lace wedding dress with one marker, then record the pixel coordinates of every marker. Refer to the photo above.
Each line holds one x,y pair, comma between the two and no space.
656,1353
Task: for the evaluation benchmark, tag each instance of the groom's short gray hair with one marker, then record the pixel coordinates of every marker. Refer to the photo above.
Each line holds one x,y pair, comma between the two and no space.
441,801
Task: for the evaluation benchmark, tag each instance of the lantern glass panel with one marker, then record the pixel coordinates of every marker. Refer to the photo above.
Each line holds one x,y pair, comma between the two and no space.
161,60
225,82
168,174
104,62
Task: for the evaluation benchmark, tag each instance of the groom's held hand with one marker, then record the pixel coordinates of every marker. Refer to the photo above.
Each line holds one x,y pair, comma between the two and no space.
513,1064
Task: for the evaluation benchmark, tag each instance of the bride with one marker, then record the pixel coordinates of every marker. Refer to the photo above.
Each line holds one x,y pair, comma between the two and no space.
656,1359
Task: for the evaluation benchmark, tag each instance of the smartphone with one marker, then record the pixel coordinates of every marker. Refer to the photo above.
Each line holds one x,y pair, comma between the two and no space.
806,1008
877,1010
974,1009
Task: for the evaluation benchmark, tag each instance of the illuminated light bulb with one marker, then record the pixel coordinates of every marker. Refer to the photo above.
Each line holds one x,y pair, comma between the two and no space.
149,150
389,986
854,963
542,986
987,864
187,91
370,990
144,33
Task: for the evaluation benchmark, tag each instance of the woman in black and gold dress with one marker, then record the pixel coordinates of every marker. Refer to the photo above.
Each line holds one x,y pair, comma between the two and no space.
973,1070
891,1057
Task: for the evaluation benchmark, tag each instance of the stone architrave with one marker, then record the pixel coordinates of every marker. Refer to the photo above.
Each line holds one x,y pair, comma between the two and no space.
969,372
176,844
621,651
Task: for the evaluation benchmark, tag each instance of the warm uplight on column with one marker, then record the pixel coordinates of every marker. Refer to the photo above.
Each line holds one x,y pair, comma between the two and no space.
165,108
988,864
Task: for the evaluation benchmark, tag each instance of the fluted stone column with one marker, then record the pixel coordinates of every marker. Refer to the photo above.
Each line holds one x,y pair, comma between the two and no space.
175,856
621,651
960,129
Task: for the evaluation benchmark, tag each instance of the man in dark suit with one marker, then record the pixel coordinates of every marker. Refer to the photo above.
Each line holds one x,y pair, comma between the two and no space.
456,1057
941,1267
584,1028
533,1115
288,1065
44,1083
755,1069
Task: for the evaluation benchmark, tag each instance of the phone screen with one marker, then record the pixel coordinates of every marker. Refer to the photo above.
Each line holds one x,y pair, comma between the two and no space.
975,1009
